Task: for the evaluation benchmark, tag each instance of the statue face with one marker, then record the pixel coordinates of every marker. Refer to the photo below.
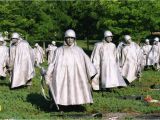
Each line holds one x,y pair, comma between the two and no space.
128,41
147,42
1,42
155,42
108,39
69,40
14,40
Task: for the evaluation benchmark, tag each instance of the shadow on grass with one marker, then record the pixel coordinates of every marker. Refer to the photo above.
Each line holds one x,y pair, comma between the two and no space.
44,105
39,101
72,108
154,116
4,84
78,116
88,52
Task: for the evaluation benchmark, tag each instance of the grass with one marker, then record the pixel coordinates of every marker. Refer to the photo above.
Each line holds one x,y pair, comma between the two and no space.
28,103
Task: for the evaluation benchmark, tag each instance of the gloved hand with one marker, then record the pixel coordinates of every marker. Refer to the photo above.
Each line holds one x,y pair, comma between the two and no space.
10,69
138,74
47,80
43,71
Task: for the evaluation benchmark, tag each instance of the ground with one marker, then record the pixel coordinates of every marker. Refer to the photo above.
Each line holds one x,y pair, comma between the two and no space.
124,103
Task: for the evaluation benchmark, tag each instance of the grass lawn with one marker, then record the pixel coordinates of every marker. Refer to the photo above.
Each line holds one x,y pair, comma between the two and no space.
29,103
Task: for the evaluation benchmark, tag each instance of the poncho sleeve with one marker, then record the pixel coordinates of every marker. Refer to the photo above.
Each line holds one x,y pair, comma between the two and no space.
90,68
96,60
48,76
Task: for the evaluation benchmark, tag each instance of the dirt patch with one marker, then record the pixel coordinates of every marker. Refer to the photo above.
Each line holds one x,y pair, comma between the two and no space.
119,116
110,116
153,116
134,116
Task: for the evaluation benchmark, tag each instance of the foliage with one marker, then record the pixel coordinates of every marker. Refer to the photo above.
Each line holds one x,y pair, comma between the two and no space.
47,20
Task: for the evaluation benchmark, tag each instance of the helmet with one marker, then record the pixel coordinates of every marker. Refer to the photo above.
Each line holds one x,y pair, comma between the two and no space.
146,40
156,39
1,39
53,42
107,33
15,35
127,37
36,44
70,33
6,32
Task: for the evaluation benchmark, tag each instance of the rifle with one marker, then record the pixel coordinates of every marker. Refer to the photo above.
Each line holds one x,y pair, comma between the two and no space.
43,83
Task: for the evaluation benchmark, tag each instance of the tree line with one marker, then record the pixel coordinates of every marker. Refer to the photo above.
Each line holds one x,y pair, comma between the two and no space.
47,20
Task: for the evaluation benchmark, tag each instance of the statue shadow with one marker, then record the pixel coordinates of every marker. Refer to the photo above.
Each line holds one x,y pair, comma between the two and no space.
4,84
41,103
72,108
88,52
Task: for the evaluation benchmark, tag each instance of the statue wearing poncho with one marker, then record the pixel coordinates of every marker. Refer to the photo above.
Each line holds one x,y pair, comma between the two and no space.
20,62
4,53
69,73
104,59
131,60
